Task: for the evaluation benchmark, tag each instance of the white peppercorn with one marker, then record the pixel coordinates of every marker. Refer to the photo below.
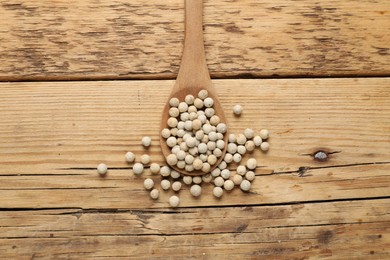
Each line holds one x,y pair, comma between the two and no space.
189,168
193,151
176,186
222,165
183,146
216,172
205,139
148,183
257,140
188,125
207,178
202,148
165,184
209,112
165,171
202,119
196,190
237,179
181,164
206,128
250,176
249,133
221,128
172,122
145,159
225,173
217,152
196,124
245,185
208,102
215,120
228,185
217,192
206,167
232,138
197,179
203,94
138,168
241,149
192,109
147,141
187,180
184,117
232,148
174,131
183,107
241,139
213,136
189,99
173,112
165,133
203,157
228,158
250,146
154,194
212,159
197,164
102,169
180,155
172,159
237,110
130,157
193,116
174,201
220,136
171,141
175,174
174,102
241,170
198,103
264,134
219,181
154,168
264,146
189,159
251,163
220,144
211,145
175,149
237,157
199,135
191,141
180,133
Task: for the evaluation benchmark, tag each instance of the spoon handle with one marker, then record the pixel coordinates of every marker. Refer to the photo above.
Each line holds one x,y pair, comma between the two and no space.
193,72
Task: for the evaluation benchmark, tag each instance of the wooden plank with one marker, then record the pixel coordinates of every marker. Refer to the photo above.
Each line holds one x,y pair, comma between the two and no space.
338,230
42,40
55,133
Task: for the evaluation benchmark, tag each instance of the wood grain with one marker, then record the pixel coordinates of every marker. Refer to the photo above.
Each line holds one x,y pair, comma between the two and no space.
54,134
62,40
279,232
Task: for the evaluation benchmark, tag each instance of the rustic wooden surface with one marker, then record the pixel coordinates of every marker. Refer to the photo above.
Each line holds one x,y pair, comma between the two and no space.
77,39
53,204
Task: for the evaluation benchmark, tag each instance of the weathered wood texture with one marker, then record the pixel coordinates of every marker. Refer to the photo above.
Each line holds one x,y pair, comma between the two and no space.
338,230
54,204
54,134
76,39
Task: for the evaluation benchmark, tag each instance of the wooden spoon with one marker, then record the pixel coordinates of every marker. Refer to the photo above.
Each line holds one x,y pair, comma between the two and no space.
193,75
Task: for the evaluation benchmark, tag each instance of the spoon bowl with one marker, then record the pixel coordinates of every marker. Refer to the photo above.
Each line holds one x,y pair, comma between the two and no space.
193,76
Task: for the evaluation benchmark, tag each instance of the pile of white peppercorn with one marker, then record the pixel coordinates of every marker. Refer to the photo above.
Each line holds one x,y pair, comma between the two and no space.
193,138
194,133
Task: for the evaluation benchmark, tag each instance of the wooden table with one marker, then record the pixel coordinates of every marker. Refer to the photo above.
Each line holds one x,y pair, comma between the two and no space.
83,81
